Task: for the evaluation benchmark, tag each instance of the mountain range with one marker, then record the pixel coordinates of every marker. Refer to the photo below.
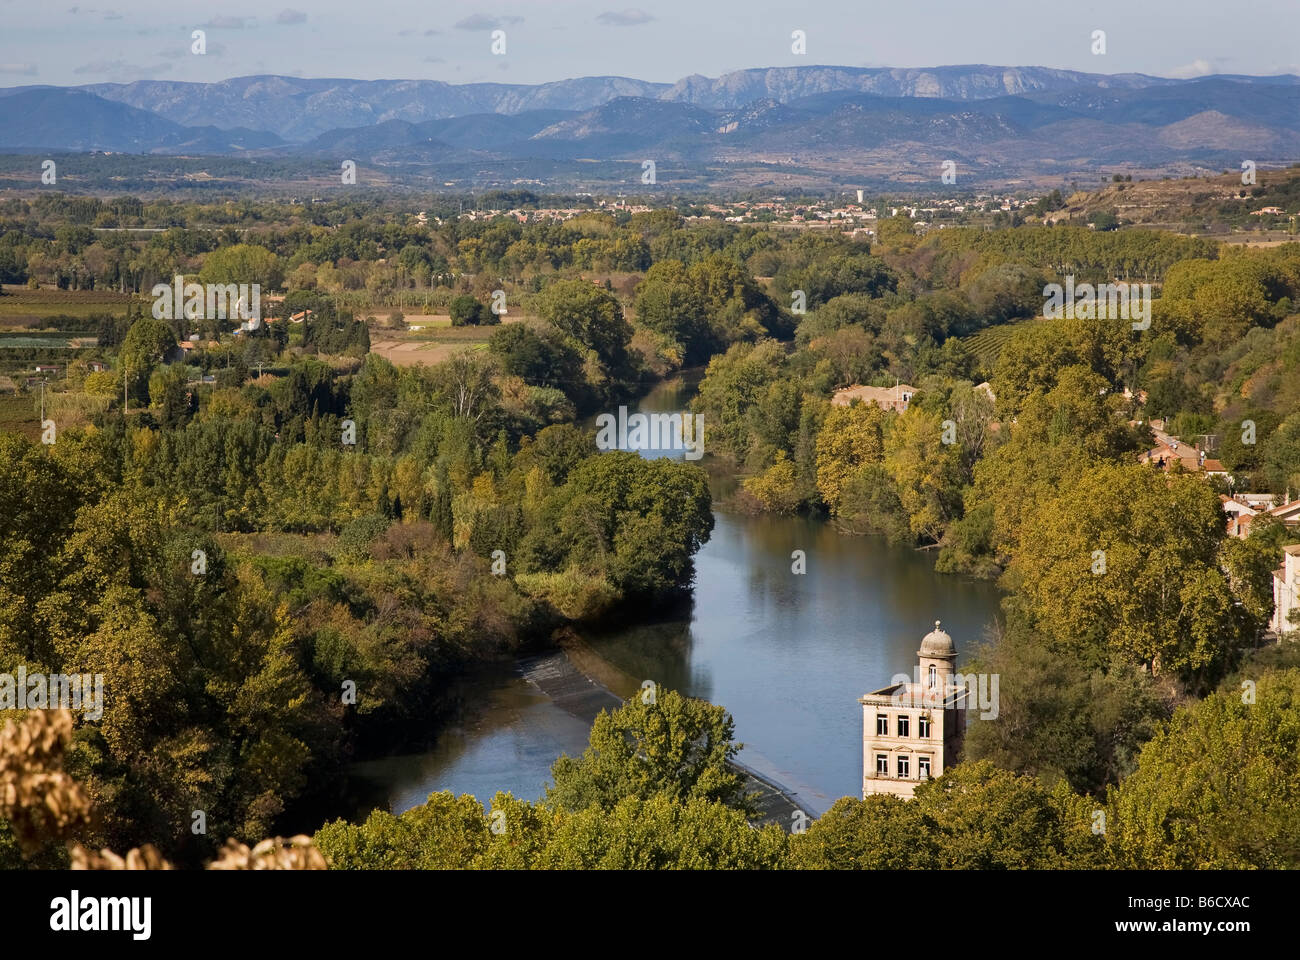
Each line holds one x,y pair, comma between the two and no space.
997,123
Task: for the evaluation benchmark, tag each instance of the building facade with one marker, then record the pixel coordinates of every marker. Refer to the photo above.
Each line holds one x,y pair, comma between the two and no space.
1286,591
912,730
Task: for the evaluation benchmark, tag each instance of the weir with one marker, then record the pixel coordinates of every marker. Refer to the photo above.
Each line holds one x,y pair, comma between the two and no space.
556,676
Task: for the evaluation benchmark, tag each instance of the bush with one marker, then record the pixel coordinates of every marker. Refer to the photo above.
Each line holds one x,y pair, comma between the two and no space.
356,537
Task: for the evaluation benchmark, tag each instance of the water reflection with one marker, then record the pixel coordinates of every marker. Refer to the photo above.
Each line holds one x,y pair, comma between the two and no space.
788,655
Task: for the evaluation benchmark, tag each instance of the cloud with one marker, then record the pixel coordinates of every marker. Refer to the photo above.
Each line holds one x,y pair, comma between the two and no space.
120,70
112,15
432,33
1189,71
482,21
291,16
624,18
229,23
19,69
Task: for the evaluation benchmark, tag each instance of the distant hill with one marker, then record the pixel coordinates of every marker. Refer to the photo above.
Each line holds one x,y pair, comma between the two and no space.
817,124
57,119
299,109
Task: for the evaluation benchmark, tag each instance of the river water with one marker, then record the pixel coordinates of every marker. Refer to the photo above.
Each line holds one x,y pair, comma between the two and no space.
787,654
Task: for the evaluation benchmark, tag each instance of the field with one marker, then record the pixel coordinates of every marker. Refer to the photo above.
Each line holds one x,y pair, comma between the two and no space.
19,304
19,415
435,342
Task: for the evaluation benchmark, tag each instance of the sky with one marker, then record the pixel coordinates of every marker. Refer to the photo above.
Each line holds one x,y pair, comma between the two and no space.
58,42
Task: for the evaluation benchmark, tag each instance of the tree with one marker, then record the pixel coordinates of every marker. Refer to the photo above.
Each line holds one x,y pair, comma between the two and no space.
850,437
1057,718
242,263
1127,562
441,513
926,471
466,310
638,522
974,817
591,316
147,344
669,303
658,833
672,746
1220,788
446,832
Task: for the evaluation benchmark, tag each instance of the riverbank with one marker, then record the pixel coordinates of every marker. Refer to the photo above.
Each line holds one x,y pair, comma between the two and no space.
786,653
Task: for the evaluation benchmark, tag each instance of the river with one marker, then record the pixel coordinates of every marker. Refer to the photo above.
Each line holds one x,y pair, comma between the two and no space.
787,654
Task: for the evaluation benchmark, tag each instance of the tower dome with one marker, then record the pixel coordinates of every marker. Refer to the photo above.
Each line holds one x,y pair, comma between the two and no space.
937,645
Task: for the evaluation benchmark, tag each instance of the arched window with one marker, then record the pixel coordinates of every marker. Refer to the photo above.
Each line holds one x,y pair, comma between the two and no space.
934,674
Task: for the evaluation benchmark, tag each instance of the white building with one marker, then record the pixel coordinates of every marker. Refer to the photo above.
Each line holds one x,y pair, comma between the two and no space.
910,731
1286,591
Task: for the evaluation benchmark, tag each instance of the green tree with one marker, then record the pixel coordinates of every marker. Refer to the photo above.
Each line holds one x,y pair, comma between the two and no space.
974,817
592,317
1127,562
147,344
242,263
673,746
850,438
1059,719
1220,788
466,310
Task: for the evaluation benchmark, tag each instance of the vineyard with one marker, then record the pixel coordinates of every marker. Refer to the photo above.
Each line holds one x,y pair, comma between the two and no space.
987,344
19,304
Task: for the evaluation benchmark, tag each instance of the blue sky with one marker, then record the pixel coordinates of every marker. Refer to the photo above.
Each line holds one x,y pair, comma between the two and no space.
61,42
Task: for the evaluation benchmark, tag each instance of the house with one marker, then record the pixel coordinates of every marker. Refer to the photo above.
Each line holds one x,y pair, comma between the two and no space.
1286,592
910,730
300,316
1239,514
47,368
986,388
1165,453
894,398
1212,467
1256,501
1262,211
1169,450
1288,512
97,366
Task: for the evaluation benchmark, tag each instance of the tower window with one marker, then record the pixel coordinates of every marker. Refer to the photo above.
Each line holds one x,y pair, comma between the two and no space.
903,766
882,765
923,727
882,725
934,675
903,726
